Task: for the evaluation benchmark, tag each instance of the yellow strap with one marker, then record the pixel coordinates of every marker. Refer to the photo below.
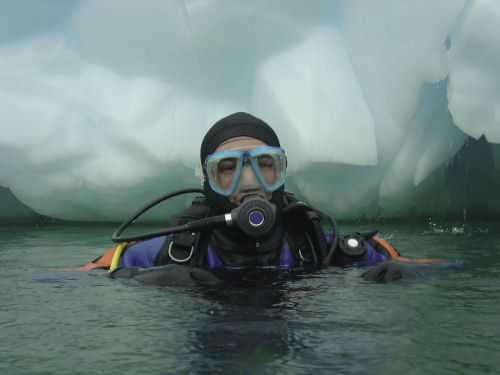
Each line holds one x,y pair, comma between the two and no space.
116,256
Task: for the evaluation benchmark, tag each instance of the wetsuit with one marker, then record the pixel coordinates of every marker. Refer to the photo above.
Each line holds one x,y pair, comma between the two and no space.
287,247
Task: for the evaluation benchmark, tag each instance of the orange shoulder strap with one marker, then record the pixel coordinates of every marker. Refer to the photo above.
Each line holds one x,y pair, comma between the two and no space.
395,255
386,245
104,261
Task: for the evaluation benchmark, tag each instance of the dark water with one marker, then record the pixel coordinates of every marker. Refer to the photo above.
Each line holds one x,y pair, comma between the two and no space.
329,322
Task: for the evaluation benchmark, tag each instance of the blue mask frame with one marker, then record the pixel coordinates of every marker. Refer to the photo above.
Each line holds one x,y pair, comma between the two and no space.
244,158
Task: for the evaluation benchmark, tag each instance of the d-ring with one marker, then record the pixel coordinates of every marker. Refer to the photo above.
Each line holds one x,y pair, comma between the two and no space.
303,257
179,260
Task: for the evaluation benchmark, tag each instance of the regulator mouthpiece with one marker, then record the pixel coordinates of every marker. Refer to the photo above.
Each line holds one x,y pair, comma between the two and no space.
255,216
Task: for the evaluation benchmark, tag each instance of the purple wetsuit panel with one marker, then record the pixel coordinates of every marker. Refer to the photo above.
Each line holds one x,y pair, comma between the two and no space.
141,254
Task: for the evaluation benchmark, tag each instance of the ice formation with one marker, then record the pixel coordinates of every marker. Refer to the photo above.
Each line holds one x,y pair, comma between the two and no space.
103,105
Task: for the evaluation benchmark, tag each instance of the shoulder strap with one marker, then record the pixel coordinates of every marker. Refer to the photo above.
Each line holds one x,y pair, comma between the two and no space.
304,226
384,247
182,247
197,210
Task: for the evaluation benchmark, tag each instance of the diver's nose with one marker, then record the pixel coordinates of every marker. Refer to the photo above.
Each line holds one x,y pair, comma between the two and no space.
248,176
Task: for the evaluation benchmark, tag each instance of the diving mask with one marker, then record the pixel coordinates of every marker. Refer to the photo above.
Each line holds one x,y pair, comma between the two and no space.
223,169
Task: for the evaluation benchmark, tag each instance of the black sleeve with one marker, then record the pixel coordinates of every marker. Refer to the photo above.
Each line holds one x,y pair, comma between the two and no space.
389,271
169,275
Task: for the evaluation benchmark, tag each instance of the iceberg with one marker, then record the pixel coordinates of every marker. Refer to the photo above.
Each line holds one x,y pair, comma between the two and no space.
386,109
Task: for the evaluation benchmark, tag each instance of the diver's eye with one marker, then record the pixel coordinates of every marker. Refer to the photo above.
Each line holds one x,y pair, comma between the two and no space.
266,162
226,166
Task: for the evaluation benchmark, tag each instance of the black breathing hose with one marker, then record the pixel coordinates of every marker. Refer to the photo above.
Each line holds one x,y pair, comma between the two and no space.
255,216
335,239
115,237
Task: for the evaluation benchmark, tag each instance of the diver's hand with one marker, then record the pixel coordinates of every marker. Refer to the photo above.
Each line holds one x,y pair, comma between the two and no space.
389,271
169,275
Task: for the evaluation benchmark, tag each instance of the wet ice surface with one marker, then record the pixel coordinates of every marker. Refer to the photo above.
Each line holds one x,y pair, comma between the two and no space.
104,104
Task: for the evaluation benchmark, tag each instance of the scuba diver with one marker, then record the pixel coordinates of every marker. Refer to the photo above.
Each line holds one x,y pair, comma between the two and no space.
245,220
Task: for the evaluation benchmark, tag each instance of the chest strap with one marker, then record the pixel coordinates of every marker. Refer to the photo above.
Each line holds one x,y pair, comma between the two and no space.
285,261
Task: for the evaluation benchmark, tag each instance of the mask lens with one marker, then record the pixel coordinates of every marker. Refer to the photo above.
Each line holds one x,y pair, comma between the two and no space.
267,167
222,171
270,165
226,172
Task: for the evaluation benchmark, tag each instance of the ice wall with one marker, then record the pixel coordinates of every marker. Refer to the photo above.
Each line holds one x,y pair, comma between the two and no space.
103,105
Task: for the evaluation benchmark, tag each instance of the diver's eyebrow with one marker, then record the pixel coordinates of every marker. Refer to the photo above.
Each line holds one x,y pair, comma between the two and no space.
244,148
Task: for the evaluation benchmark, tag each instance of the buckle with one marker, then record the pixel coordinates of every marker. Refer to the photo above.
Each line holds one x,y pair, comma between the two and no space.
177,259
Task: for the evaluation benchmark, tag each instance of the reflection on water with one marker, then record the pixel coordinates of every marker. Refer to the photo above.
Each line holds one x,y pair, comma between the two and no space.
327,322
245,327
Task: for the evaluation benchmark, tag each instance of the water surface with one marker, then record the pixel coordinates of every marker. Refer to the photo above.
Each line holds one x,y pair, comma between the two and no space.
332,321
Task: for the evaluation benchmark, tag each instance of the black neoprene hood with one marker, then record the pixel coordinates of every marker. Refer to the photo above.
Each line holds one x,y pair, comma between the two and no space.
237,125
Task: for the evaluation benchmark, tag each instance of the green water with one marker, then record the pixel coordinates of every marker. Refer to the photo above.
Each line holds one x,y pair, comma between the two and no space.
328,322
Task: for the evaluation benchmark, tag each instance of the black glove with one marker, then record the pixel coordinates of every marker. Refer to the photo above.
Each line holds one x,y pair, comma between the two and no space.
389,271
169,275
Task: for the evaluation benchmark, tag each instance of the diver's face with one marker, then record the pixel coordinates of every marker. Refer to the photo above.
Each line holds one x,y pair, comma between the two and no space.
248,183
